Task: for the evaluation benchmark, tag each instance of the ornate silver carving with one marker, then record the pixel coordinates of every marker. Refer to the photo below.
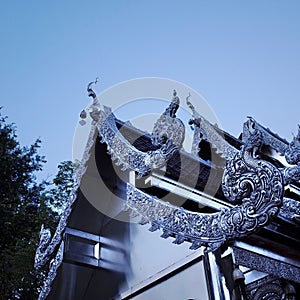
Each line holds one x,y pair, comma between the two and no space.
253,132
168,127
205,229
291,150
255,184
292,153
47,245
266,264
270,288
254,136
290,210
292,156
120,149
291,174
247,177
127,155
54,265
267,136
204,130
200,229
168,134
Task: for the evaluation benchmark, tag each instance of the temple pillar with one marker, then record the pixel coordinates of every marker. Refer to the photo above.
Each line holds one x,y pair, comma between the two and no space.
224,280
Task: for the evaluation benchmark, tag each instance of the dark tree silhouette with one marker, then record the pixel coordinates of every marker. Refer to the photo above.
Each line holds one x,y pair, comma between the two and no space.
25,204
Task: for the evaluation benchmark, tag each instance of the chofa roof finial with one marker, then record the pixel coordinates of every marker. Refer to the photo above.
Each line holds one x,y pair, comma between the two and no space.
90,91
94,108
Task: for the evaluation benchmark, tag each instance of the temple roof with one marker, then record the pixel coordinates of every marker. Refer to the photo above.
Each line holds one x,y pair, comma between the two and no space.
159,162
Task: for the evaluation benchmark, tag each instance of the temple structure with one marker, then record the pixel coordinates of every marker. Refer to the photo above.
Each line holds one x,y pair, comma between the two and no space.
150,220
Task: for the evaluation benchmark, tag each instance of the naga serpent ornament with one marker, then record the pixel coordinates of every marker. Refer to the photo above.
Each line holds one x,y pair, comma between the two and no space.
254,185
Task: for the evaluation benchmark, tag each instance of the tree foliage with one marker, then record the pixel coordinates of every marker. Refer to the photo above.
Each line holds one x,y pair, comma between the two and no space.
25,205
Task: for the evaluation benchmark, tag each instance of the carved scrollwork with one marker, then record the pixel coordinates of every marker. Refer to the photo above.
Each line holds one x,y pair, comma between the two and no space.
255,185
168,133
200,229
127,155
291,150
254,136
291,174
212,230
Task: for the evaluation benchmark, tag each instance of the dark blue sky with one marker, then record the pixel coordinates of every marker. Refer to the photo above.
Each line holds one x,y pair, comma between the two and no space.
242,56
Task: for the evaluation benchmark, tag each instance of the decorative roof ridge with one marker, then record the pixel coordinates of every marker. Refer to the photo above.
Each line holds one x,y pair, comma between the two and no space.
244,169
142,162
269,138
212,230
53,269
168,134
204,130
49,243
104,121
274,134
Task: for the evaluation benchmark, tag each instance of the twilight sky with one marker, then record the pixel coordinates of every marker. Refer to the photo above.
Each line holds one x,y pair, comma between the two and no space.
241,56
